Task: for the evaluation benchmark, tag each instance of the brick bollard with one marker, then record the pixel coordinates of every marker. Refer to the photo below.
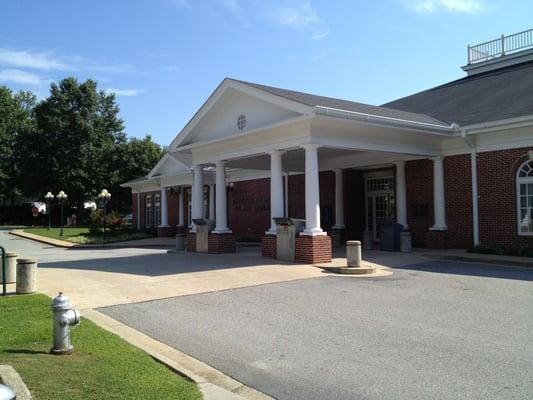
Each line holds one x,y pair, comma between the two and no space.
26,275
353,253
11,268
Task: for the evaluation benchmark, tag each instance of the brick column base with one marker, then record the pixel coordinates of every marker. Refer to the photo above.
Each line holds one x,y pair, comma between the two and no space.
221,243
437,239
268,246
190,242
167,231
313,249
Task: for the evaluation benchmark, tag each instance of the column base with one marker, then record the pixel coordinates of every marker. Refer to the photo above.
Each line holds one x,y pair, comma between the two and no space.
337,237
218,243
221,231
268,246
313,249
437,239
166,231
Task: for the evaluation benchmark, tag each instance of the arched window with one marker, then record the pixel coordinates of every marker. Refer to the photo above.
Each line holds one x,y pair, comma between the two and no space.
524,194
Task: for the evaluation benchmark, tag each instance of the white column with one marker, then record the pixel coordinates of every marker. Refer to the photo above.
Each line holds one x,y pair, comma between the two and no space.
181,207
138,211
401,197
286,214
197,193
211,201
339,200
312,192
164,208
438,195
276,189
221,199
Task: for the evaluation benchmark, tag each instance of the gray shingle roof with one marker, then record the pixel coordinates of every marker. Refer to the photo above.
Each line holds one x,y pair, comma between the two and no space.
136,180
314,100
490,96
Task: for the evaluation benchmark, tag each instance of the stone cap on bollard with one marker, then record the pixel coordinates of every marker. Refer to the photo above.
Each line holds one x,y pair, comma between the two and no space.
10,255
353,243
26,261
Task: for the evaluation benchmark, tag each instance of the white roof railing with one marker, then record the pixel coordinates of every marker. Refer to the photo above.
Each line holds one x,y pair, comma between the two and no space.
500,47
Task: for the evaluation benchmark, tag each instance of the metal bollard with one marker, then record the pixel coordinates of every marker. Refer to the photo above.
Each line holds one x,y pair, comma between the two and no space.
6,393
353,253
10,268
26,275
64,317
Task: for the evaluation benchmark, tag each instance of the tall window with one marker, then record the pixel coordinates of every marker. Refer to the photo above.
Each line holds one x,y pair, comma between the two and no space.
524,194
157,210
148,211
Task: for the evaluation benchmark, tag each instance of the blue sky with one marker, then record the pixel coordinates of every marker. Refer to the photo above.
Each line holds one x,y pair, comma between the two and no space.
163,58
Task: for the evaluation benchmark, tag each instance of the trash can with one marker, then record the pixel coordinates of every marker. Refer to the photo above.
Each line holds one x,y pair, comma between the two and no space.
26,275
389,236
286,231
180,242
11,268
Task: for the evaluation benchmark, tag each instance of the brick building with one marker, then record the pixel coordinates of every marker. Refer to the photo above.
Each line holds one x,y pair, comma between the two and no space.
453,164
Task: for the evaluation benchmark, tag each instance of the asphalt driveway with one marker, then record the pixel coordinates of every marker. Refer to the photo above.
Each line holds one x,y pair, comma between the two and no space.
431,331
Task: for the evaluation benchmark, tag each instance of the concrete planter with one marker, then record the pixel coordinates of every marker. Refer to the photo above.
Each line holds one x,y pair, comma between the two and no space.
11,268
26,275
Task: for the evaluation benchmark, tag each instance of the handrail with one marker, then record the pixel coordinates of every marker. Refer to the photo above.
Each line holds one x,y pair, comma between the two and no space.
4,272
499,47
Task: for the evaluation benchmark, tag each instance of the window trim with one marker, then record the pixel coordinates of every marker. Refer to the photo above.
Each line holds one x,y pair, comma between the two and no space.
521,180
148,211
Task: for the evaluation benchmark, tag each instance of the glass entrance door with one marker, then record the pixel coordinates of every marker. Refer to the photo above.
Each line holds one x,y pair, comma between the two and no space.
380,204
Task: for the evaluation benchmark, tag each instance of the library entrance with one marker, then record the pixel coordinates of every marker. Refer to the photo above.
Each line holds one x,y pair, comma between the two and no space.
380,201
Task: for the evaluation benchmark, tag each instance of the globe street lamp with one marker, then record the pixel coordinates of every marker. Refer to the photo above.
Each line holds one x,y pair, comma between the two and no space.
61,197
49,197
104,197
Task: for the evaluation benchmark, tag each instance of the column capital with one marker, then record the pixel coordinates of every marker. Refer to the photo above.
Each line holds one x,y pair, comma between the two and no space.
276,152
220,163
310,146
438,159
399,163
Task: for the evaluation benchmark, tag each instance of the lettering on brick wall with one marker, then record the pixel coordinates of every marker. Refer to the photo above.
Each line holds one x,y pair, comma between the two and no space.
246,205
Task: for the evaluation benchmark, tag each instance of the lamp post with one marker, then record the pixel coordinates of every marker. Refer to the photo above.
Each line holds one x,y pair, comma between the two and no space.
61,197
104,197
49,197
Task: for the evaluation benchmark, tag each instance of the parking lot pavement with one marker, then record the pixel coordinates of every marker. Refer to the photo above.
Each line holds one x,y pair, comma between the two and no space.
437,330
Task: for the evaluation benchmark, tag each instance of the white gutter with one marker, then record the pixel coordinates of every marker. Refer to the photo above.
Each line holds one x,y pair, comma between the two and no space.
499,124
475,199
336,112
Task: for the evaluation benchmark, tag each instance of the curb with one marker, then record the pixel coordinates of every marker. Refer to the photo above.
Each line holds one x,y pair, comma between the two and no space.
214,384
70,245
503,263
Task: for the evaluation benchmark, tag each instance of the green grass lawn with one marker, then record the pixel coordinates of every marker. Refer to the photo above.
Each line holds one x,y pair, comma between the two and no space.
103,366
83,236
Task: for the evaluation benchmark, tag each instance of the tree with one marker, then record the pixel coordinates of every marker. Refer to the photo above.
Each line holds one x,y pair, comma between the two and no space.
16,121
135,158
74,146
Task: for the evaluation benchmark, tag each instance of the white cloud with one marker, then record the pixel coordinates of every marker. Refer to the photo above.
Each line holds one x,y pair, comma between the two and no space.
123,92
301,16
20,77
460,6
34,60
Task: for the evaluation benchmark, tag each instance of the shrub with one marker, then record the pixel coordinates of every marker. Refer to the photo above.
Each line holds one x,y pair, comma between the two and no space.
113,221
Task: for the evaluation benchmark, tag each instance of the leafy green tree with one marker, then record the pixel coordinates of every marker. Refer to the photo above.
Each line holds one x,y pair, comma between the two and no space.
74,147
136,158
16,121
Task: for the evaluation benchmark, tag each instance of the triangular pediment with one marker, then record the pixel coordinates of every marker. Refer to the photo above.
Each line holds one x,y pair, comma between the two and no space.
170,164
223,113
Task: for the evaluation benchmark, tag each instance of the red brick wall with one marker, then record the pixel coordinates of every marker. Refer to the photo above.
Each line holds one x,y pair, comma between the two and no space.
249,207
221,243
173,207
297,196
497,197
134,210
268,246
419,190
458,198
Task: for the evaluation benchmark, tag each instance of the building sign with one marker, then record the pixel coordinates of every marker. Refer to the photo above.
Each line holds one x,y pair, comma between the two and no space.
250,204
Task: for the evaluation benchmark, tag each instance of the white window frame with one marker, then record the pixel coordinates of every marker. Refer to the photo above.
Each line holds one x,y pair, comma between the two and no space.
528,180
157,210
148,211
